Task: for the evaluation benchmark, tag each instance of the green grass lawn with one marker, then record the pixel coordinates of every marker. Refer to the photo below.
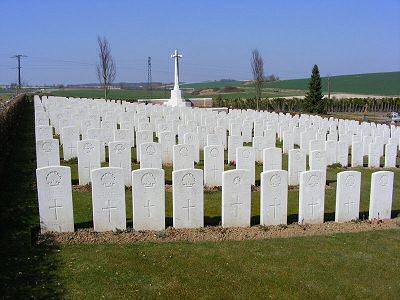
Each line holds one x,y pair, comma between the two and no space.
357,265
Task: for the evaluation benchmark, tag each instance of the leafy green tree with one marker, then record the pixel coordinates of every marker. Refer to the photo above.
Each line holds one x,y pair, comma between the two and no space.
314,100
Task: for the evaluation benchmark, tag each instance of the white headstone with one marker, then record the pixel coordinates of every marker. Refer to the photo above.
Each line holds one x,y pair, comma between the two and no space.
144,136
272,159
381,197
120,157
213,165
357,158
374,158
148,197
167,141
47,153
245,161
390,155
187,198
296,165
234,141
70,137
347,196
88,159
343,154
150,155
55,199
193,139
108,199
236,198
183,157
311,197
274,197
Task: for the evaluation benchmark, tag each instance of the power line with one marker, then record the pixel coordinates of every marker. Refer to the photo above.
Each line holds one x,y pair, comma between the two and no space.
18,57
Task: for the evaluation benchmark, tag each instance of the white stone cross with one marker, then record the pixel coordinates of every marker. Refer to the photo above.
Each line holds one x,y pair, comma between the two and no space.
148,206
275,206
109,208
188,207
313,205
176,56
236,205
55,206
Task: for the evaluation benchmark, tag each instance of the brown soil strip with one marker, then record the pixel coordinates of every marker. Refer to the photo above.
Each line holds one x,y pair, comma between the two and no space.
215,233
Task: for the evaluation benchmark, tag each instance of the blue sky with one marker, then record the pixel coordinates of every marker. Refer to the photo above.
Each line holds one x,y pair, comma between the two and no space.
215,38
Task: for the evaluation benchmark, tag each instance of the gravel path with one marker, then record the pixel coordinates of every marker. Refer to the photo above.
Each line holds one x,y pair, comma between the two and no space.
215,233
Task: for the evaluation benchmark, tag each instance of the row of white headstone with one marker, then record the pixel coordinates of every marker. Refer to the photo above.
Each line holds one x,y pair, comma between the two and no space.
99,120
89,158
148,198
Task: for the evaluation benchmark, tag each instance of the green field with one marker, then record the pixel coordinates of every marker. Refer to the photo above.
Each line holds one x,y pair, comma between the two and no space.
357,265
384,84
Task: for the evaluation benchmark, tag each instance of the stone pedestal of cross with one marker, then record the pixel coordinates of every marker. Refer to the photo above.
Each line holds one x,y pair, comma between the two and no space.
108,208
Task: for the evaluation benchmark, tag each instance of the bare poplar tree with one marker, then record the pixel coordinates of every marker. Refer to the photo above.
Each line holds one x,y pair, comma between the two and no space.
106,69
257,67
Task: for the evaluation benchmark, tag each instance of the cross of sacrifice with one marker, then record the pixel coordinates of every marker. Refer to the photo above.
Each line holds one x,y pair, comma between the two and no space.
176,56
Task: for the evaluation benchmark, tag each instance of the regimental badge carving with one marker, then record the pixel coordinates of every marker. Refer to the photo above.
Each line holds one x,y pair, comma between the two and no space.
119,148
214,152
384,180
275,180
148,180
237,180
150,150
246,153
350,181
184,151
313,180
188,180
53,178
47,147
108,180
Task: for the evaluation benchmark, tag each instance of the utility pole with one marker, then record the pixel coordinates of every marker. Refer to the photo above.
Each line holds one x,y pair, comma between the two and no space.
149,83
18,57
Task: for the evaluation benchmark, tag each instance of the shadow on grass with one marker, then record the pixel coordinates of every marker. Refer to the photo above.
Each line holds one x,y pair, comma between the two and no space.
27,270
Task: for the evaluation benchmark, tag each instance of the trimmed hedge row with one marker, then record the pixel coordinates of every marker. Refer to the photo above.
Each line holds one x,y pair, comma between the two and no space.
10,117
297,105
